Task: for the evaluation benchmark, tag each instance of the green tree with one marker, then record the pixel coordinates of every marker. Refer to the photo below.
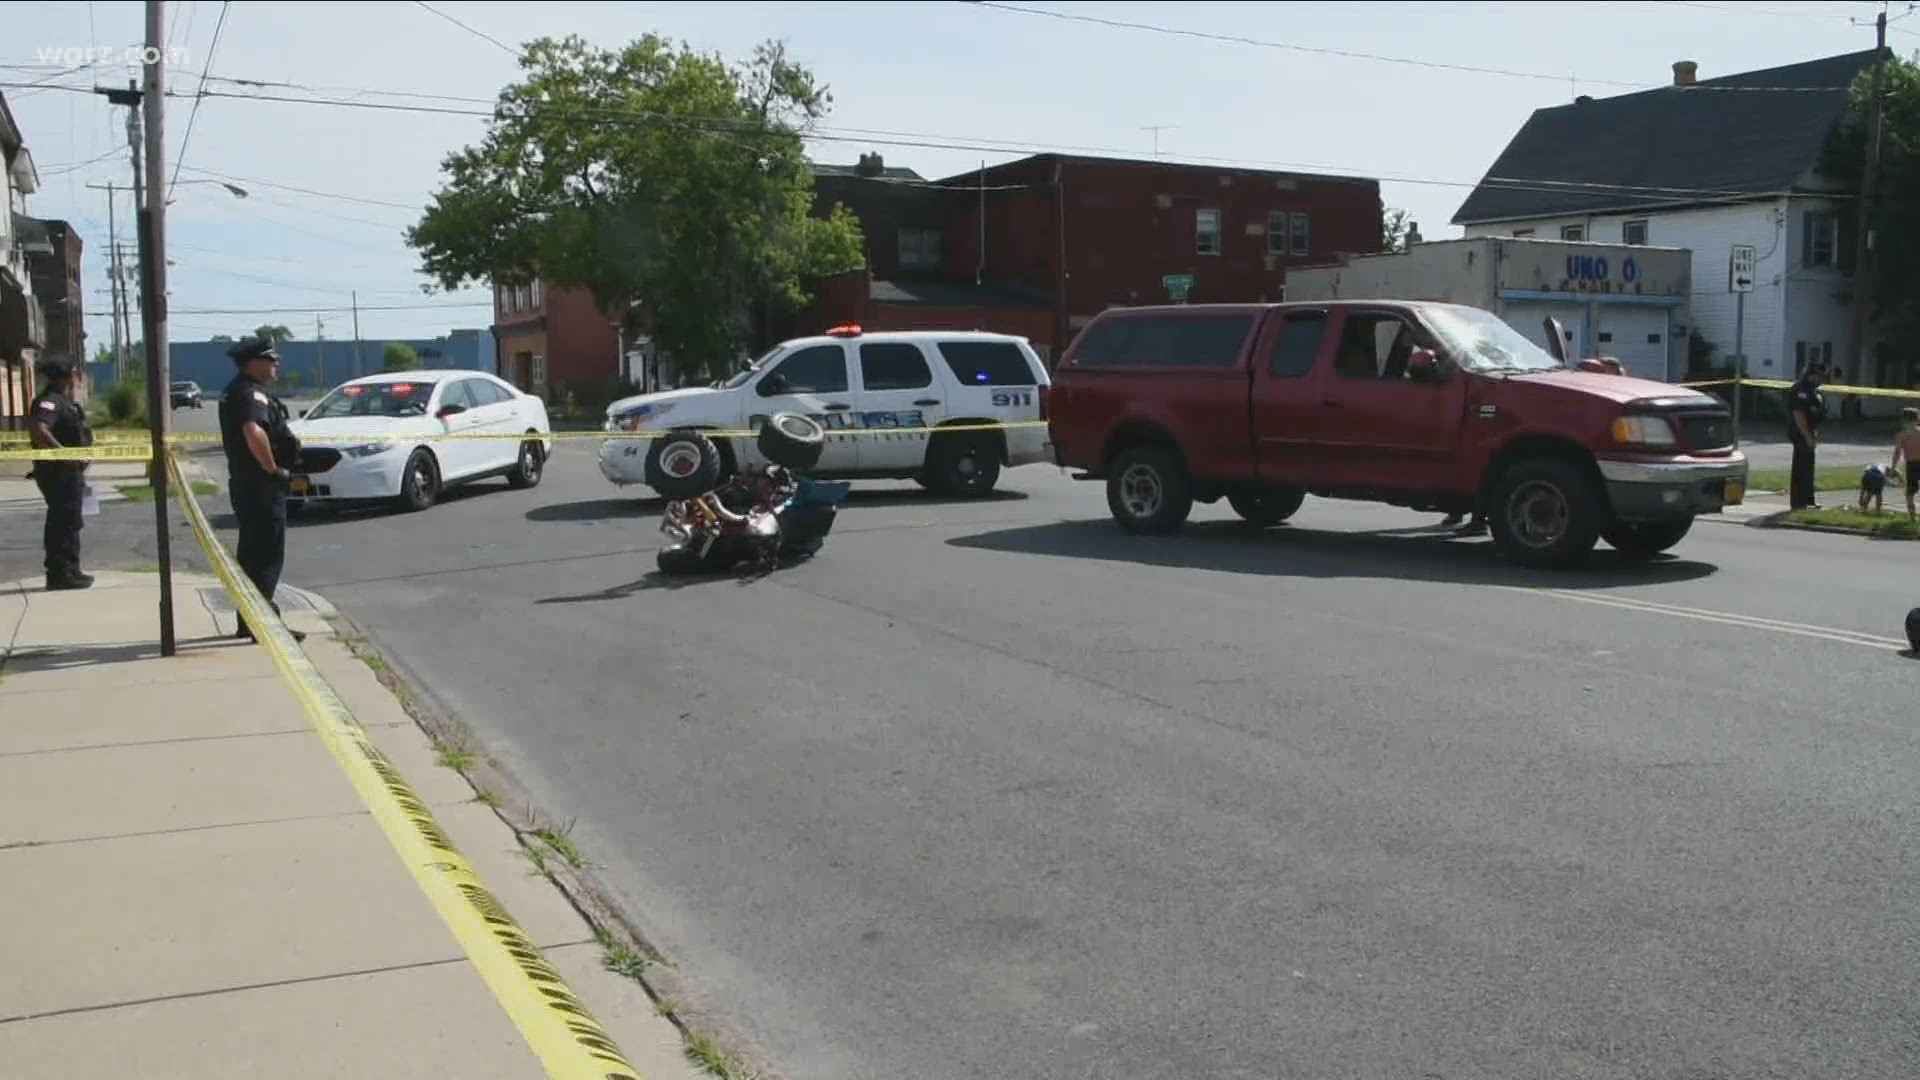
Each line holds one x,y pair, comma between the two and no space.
1896,208
398,357
226,337
1394,225
270,330
649,173
103,355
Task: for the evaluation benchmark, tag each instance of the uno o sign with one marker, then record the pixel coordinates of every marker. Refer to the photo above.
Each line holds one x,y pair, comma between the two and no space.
1596,268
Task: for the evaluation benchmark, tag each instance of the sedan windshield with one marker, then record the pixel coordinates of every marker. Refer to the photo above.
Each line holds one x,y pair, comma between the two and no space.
1482,341
394,399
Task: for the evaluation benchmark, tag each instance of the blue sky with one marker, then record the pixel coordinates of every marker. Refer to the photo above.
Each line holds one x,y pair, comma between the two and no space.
944,71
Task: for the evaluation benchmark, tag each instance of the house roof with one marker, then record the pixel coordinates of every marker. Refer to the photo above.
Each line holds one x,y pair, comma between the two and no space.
1668,145
891,172
1158,164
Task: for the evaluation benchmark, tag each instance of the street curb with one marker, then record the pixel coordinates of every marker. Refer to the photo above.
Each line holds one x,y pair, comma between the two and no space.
1837,530
695,1011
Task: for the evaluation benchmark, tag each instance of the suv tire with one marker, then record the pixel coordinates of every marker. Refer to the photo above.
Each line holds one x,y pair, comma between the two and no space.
1268,508
1546,513
1644,540
1147,491
963,466
683,464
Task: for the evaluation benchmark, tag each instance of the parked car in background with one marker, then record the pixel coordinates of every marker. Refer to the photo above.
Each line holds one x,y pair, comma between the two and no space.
1436,407
374,439
186,395
881,397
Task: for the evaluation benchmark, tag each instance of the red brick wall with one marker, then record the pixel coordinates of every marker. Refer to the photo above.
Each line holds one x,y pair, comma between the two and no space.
579,342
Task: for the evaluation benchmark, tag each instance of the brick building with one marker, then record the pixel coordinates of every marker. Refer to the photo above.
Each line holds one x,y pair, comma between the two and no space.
552,340
1040,245
54,265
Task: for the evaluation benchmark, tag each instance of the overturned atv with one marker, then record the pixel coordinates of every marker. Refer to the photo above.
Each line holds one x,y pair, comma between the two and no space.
759,514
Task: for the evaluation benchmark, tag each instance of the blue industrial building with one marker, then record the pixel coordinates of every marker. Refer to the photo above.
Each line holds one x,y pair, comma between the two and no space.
306,365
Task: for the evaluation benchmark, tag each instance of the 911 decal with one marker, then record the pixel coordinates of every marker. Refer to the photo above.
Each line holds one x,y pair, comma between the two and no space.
1006,399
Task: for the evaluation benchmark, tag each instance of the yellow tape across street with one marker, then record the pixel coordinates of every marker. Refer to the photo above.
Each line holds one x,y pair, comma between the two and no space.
129,452
556,1024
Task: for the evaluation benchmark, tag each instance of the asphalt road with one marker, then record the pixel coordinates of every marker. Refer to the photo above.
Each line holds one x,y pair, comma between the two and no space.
993,790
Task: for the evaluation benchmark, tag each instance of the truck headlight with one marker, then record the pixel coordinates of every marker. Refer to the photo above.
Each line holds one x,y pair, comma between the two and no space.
1643,431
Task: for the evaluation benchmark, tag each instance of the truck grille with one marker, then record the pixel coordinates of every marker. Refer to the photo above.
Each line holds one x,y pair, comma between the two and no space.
1706,433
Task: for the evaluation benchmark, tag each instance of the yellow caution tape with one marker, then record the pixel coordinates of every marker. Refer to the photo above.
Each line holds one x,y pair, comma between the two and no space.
627,436
1841,389
552,1019
82,453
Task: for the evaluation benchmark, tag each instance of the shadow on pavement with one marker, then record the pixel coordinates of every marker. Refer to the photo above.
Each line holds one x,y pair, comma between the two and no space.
1290,551
320,515
609,509
70,657
649,583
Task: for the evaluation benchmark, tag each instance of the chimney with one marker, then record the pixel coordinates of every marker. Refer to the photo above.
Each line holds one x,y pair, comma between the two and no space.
1683,72
871,165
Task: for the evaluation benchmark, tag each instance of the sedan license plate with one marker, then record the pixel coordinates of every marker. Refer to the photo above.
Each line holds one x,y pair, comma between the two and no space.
299,485
1735,492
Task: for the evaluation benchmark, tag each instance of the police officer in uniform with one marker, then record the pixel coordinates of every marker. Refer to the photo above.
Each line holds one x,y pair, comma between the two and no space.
55,421
260,450
1806,408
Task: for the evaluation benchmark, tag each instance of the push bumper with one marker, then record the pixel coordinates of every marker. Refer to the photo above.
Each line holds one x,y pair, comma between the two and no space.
1662,490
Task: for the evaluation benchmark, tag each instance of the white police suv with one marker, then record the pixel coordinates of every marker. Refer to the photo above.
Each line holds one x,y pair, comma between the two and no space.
883,399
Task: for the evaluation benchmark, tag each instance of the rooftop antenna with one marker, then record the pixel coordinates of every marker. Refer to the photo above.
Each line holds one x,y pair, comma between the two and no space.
1157,129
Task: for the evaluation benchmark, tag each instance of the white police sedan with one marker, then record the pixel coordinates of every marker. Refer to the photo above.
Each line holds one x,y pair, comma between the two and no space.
382,438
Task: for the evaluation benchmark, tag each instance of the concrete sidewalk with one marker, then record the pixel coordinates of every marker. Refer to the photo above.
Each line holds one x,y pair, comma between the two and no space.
192,888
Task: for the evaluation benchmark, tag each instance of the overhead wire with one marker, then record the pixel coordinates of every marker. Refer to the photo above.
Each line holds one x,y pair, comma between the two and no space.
199,96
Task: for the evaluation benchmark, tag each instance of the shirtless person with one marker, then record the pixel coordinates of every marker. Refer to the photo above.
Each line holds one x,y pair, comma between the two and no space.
1907,445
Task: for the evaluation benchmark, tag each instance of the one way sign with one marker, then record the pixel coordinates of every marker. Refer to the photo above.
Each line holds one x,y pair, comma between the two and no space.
1740,269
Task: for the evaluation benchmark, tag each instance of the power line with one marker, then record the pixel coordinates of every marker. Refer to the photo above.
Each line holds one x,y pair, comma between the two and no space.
198,97
297,309
1235,39
256,181
1755,11
503,46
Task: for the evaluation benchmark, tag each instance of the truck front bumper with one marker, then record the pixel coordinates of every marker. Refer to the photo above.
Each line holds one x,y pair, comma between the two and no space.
1641,490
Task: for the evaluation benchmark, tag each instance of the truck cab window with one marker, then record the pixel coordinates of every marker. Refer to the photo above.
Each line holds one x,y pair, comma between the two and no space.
1377,346
1297,345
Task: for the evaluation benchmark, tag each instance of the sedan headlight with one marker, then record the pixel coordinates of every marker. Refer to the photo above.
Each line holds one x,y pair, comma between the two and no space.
1643,431
368,449
638,417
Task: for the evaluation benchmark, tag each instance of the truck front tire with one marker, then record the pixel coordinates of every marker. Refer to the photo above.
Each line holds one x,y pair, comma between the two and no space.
1644,540
1546,512
1266,509
1147,491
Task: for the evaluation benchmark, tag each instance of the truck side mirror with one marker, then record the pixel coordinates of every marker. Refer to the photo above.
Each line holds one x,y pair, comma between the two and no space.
1423,366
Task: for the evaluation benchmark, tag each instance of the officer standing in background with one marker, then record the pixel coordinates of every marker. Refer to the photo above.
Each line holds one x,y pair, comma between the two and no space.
1806,408
260,449
54,422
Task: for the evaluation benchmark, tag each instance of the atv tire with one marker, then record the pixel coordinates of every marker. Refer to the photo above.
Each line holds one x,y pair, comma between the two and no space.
683,464
686,561
792,441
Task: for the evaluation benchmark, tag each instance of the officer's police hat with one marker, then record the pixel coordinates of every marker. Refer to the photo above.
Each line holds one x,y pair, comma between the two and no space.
253,348
54,367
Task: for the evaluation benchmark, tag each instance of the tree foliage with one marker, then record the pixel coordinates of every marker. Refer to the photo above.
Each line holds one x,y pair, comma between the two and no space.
398,356
1896,209
271,330
650,174
1394,225
223,337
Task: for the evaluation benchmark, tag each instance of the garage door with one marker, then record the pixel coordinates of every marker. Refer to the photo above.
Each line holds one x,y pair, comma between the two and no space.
1635,336
1530,319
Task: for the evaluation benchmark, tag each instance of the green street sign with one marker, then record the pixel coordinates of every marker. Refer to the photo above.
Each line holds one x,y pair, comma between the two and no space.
1177,286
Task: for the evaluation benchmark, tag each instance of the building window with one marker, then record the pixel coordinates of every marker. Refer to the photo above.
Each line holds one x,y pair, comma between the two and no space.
1573,232
536,292
1634,232
1206,232
920,248
539,374
1277,232
1300,244
1818,229
1523,232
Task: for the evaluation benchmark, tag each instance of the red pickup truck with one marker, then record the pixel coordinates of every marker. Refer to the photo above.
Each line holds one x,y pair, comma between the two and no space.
1435,407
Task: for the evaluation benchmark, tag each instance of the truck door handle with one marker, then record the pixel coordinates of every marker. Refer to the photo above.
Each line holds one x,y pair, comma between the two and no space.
838,408
926,401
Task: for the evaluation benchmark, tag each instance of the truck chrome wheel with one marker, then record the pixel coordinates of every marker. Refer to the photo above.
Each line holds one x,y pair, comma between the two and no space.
1538,513
1140,491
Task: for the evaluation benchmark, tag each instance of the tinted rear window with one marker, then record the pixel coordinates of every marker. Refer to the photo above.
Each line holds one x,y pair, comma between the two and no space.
1193,341
988,363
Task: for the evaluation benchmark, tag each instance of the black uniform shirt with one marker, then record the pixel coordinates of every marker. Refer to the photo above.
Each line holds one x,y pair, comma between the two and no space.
66,421
244,400
1804,397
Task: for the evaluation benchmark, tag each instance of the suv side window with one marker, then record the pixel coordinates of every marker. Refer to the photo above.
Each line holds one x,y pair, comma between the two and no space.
817,369
893,365
1297,345
1376,345
987,363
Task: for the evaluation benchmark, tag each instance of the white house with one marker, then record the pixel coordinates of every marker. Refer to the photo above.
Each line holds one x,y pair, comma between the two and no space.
1705,165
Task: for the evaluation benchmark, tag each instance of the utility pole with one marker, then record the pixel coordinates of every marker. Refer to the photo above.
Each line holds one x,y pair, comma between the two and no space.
113,274
358,368
1863,228
153,306
320,351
